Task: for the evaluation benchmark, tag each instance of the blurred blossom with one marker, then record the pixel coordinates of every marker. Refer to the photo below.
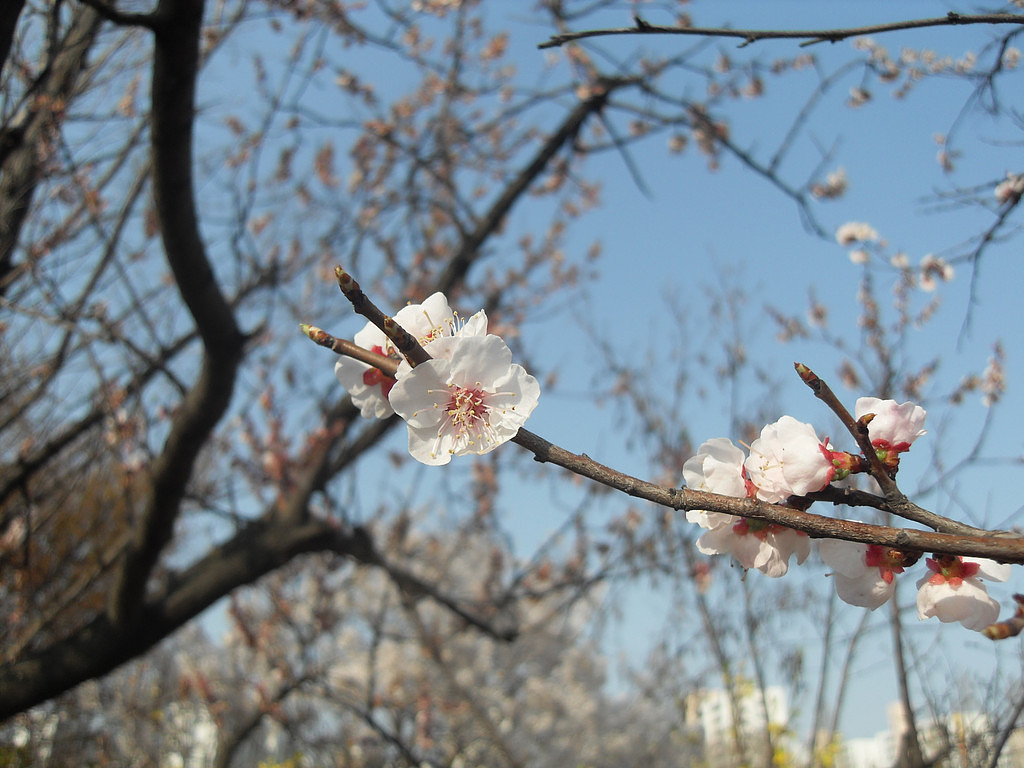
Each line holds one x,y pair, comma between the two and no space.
1010,188
835,185
933,268
855,232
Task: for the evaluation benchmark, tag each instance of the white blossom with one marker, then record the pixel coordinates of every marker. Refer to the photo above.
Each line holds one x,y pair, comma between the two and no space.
471,402
954,590
787,460
895,425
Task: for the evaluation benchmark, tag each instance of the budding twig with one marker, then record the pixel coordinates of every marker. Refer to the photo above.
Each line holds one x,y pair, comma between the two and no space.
404,341
896,500
345,347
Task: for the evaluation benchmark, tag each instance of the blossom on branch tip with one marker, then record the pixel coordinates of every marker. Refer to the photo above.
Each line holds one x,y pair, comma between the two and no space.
787,460
471,402
953,590
895,425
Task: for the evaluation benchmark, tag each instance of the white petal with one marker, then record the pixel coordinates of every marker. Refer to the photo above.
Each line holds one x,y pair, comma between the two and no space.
969,603
844,557
419,396
990,569
482,359
867,591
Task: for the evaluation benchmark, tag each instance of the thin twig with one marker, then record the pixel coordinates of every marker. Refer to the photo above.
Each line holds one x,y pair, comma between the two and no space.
810,36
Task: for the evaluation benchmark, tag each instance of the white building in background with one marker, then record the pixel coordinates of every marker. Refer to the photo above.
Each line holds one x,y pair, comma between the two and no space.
712,713
964,738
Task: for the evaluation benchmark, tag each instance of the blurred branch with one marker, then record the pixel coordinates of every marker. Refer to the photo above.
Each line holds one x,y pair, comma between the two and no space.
8,23
175,66
20,144
121,18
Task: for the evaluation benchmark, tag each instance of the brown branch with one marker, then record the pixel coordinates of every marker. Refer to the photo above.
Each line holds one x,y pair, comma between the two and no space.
8,23
1003,548
175,67
102,645
810,36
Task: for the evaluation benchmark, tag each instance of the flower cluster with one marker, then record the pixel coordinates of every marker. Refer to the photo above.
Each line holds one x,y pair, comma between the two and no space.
468,398
787,462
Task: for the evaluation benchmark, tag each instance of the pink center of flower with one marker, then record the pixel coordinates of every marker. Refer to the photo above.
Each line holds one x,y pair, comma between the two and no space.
885,560
374,376
950,569
467,411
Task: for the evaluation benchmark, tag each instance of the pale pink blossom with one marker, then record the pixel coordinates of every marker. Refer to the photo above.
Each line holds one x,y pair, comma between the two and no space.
895,425
863,573
717,467
954,591
1010,189
471,402
756,544
787,460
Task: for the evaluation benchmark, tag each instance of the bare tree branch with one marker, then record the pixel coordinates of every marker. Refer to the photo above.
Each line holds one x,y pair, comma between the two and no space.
810,36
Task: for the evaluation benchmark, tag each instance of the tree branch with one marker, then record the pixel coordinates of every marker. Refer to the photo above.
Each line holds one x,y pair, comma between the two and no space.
175,66
954,538
810,36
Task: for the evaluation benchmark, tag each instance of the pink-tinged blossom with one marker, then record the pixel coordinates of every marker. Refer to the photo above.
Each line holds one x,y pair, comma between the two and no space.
787,460
895,425
757,544
429,321
717,467
471,402
863,573
953,590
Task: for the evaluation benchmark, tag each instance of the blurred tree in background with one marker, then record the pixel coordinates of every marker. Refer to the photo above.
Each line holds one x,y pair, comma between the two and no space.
178,180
